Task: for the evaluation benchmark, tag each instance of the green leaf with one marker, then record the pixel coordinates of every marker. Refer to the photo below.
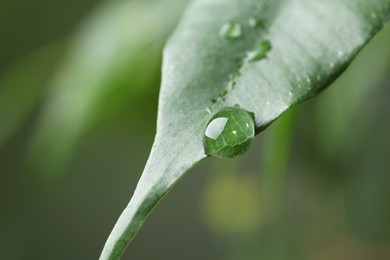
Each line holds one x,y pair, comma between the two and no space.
24,85
217,58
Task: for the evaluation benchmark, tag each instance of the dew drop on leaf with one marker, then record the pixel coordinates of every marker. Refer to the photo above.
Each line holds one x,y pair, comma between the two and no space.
229,133
260,52
254,22
231,30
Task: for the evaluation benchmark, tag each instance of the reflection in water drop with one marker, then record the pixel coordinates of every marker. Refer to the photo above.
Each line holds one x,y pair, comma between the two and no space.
229,133
216,127
231,30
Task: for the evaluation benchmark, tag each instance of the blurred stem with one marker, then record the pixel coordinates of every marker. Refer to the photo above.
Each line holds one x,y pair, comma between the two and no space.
275,159
275,184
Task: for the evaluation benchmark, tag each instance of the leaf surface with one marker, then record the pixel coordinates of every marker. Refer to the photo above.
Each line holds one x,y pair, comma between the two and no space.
286,52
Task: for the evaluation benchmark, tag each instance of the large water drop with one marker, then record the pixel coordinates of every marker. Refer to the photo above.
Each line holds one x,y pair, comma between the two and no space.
229,133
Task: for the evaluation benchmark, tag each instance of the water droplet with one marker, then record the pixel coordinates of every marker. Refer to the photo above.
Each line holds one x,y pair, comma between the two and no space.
229,133
331,64
340,53
254,22
223,93
260,52
290,93
318,77
231,30
374,15
308,80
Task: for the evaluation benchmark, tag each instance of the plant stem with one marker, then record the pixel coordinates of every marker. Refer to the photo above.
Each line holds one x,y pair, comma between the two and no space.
275,183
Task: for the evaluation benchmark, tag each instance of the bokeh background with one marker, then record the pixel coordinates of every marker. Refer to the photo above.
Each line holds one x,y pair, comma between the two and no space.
79,84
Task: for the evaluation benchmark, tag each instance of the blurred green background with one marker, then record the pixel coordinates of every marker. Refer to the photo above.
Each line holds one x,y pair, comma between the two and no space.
79,84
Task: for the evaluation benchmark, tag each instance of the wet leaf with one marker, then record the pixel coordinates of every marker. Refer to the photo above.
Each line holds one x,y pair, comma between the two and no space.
309,43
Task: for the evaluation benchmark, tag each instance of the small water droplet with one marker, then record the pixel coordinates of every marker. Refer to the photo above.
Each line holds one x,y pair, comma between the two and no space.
253,22
308,80
290,93
268,103
340,53
229,133
260,52
231,30
331,65
318,77
223,93
299,85
374,15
